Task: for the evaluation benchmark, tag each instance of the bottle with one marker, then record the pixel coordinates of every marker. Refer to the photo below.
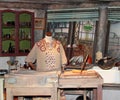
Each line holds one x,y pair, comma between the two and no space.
10,48
29,36
25,65
21,33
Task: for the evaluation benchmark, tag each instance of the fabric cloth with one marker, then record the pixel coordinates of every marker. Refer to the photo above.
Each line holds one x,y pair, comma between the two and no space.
49,56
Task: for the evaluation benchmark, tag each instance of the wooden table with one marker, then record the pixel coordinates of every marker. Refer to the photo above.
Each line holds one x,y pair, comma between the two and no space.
28,83
47,84
82,81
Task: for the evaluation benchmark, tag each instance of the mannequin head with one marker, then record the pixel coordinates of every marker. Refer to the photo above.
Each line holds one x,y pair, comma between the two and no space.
48,34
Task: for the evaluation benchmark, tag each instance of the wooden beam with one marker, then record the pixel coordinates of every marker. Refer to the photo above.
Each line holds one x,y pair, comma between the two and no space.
56,1
55,4
51,1
30,5
23,5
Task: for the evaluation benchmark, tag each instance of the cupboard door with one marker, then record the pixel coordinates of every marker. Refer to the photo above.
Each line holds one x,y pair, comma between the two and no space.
25,32
8,29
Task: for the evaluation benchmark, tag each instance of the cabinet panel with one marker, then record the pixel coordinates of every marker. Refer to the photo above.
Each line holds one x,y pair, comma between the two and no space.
8,31
25,32
17,29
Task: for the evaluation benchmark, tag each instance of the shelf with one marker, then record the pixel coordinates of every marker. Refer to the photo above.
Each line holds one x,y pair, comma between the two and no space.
10,39
25,39
8,26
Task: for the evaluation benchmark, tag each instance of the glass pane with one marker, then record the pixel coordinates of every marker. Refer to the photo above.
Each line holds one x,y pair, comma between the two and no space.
25,32
84,37
8,32
25,20
114,40
60,31
24,46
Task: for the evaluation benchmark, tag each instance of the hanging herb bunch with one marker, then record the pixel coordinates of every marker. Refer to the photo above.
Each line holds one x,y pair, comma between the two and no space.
88,27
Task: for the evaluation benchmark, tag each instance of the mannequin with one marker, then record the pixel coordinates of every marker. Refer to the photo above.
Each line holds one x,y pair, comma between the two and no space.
48,53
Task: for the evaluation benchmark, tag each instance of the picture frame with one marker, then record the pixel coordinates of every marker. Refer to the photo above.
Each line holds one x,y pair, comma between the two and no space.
39,23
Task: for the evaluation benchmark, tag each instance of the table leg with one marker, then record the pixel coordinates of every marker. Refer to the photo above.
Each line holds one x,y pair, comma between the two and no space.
9,95
99,92
95,94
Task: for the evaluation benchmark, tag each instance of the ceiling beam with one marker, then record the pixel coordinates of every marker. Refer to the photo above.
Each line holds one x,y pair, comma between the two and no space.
57,1
56,4
23,5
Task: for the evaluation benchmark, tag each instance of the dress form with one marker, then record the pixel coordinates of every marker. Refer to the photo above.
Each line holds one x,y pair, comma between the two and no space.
48,53
48,39
48,36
